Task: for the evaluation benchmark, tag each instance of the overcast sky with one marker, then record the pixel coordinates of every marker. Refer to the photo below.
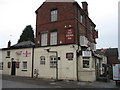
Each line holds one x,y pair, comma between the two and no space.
16,14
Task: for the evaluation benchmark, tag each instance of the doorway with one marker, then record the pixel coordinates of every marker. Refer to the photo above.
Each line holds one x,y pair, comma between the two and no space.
13,69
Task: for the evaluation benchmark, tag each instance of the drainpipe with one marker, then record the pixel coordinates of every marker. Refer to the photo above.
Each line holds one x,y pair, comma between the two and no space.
78,44
32,61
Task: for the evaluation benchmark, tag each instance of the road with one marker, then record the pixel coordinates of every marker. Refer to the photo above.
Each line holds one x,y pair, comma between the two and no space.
26,82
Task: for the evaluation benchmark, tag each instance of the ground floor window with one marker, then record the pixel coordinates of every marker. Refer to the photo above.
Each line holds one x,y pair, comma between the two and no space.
9,65
1,65
86,62
24,64
53,62
42,60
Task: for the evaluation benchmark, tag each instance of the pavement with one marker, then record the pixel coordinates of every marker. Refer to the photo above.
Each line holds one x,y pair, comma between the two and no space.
28,82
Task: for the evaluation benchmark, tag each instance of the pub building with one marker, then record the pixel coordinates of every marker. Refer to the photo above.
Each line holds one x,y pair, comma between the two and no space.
65,45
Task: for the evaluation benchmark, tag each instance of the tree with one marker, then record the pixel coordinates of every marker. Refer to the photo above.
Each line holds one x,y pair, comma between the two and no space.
27,34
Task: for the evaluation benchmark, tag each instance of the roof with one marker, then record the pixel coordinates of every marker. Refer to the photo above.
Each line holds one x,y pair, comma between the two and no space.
24,44
108,51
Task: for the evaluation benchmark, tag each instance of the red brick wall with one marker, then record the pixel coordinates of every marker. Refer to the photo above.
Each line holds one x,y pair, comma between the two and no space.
67,15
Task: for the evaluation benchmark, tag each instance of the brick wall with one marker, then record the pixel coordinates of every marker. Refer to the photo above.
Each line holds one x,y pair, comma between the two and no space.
68,14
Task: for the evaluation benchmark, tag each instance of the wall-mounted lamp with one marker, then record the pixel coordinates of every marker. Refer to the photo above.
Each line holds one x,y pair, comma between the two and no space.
70,25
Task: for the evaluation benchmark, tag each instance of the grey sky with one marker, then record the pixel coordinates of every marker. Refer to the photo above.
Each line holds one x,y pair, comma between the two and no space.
16,14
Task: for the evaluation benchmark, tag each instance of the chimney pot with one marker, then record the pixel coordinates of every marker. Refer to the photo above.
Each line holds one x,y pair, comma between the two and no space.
85,7
9,44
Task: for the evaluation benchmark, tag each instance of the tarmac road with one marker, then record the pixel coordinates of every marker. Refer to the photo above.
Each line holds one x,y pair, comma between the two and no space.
26,82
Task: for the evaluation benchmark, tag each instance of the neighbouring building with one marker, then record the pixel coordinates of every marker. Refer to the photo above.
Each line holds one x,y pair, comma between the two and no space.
64,49
18,59
112,58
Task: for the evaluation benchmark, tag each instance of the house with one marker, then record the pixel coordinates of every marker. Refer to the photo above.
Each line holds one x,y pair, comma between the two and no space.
18,59
65,42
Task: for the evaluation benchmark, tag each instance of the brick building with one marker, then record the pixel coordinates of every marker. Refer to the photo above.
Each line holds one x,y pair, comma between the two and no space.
66,35
112,58
65,23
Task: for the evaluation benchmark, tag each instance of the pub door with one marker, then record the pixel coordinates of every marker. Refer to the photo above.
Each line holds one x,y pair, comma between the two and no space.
13,69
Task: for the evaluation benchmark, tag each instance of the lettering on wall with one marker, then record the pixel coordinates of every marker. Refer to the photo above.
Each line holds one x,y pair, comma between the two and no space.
70,35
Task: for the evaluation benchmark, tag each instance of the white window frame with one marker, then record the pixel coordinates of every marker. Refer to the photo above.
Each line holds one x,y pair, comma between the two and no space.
81,18
53,38
83,41
53,62
44,39
42,60
86,65
54,15
24,67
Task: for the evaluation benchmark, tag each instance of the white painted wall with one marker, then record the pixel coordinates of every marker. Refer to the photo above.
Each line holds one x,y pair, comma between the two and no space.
18,58
86,74
66,68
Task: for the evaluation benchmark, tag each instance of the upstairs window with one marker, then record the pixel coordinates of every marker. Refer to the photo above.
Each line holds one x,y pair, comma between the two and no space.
44,37
53,38
81,18
54,15
8,53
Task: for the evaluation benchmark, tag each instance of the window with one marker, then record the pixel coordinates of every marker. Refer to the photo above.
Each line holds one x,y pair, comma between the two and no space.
42,60
53,62
83,41
86,62
1,65
9,64
81,18
44,39
54,15
8,53
25,65
53,38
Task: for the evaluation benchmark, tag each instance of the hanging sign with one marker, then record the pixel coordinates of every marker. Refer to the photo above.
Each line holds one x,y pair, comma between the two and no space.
26,53
69,56
86,53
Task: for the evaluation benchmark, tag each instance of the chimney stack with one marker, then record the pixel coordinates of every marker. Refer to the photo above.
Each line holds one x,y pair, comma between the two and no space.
85,7
9,44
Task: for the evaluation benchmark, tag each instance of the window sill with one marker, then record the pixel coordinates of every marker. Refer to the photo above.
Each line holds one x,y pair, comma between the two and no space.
54,21
24,70
87,69
8,57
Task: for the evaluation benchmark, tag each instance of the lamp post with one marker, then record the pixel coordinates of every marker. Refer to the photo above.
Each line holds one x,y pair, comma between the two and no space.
48,50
